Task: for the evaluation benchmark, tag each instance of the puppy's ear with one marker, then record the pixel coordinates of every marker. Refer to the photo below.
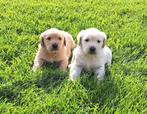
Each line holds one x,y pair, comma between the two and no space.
79,37
64,41
104,40
42,40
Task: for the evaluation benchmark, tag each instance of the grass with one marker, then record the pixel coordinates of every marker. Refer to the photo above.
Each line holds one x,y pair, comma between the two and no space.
49,90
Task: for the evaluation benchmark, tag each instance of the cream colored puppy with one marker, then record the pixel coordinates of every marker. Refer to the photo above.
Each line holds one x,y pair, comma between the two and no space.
91,54
55,46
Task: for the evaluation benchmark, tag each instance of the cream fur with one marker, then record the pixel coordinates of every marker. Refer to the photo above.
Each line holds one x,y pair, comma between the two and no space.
82,59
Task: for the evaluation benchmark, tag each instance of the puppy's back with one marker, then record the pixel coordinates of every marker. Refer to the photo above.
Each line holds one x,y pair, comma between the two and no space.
70,44
69,39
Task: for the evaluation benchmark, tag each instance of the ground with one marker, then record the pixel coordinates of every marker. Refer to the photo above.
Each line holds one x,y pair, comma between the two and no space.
48,90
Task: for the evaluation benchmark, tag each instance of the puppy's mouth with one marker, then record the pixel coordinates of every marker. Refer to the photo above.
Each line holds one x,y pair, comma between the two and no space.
92,53
54,49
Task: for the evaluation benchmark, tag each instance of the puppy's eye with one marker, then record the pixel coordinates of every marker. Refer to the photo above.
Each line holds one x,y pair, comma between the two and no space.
87,40
98,41
59,38
48,38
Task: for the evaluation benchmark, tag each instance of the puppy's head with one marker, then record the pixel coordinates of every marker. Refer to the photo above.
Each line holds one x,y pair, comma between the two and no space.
53,40
91,40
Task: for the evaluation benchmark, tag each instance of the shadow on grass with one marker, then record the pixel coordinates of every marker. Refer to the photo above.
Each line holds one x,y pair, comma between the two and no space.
8,93
101,93
13,91
51,77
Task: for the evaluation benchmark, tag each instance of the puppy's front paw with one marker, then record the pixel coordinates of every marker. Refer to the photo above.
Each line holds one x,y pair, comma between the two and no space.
34,68
69,66
74,72
63,65
37,64
100,75
100,78
73,76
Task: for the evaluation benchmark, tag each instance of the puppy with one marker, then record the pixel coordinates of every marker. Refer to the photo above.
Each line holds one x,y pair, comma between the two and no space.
55,46
91,54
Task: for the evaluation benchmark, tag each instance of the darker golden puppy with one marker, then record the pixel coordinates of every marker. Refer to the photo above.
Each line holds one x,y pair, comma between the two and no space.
55,46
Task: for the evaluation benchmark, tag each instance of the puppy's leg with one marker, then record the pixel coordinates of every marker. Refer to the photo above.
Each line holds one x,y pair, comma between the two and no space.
75,71
100,73
37,64
109,63
72,61
63,64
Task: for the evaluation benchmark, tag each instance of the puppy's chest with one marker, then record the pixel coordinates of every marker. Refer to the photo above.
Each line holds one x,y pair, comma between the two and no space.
54,57
92,63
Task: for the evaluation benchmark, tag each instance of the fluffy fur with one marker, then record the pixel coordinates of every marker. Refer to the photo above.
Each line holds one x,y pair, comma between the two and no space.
55,46
91,54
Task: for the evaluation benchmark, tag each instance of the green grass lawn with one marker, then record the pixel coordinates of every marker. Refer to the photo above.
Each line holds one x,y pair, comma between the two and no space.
49,90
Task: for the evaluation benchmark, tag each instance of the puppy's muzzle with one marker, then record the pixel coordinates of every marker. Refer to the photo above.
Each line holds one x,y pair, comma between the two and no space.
54,46
92,50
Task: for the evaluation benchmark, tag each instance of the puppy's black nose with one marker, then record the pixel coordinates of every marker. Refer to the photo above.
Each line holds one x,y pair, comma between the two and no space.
92,49
55,46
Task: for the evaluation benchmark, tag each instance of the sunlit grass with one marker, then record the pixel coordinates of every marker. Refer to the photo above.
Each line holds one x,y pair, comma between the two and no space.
49,90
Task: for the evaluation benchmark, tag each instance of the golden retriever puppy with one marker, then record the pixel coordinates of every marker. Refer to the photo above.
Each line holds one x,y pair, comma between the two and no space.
91,54
55,46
